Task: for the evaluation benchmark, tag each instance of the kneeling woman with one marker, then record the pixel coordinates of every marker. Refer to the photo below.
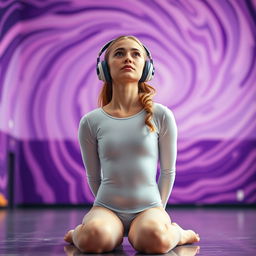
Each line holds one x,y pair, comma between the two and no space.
121,143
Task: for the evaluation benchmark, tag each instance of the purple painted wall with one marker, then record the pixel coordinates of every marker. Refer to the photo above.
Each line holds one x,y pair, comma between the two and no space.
204,56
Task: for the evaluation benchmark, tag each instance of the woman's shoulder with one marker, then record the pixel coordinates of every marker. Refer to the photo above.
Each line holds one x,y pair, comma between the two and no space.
164,117
160,109
91,116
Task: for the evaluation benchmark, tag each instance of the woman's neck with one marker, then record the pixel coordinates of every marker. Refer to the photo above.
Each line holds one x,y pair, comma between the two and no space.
125,97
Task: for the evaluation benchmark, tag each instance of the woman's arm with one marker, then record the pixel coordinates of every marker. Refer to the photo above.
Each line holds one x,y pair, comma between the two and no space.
89,150
167,155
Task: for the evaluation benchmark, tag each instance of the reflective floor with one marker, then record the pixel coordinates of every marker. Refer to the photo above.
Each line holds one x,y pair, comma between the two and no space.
223,231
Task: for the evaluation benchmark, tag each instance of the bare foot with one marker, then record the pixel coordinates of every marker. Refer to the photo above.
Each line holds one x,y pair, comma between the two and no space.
68,236
187,236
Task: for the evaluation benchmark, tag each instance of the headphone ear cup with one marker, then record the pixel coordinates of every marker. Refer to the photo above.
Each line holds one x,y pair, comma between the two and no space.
148,72
103,71
106,71
100,72
151,71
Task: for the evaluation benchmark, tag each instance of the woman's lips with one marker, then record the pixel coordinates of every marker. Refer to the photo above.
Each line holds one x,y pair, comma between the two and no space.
127,67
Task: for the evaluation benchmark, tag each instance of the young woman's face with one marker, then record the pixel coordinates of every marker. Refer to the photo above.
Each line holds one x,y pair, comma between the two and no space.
126,52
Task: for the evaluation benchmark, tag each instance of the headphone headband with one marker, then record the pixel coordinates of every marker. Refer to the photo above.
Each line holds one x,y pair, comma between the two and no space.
109,42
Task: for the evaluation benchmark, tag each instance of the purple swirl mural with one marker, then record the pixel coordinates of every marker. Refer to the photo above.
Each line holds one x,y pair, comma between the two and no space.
204,56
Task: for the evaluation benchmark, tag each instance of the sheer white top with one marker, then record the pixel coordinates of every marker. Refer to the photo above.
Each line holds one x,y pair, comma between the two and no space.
120,156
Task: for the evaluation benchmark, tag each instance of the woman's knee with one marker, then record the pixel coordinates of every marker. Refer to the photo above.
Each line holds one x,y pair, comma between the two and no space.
152,238
93,237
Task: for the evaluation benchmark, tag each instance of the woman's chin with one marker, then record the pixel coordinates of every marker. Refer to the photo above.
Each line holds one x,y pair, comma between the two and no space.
126,79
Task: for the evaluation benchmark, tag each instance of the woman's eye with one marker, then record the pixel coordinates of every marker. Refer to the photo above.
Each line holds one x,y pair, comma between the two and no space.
117,53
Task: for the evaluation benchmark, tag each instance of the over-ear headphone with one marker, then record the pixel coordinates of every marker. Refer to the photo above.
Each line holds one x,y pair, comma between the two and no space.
103,70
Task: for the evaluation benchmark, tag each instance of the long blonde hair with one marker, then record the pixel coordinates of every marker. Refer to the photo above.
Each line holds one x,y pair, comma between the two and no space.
146,91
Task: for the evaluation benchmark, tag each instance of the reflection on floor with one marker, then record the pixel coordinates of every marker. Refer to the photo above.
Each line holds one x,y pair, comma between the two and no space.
223,231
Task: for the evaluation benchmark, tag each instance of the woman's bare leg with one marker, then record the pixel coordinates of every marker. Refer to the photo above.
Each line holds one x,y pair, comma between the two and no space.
152,232
101,231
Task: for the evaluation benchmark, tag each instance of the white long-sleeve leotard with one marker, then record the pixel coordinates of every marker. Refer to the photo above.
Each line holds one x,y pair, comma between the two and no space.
120,156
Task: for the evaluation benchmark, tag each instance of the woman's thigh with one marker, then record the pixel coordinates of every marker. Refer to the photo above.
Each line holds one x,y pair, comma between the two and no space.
105,217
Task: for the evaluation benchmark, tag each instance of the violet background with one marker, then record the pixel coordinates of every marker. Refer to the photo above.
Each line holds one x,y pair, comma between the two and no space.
204,58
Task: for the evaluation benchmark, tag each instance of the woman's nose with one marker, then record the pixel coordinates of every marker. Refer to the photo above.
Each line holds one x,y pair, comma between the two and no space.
128,58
